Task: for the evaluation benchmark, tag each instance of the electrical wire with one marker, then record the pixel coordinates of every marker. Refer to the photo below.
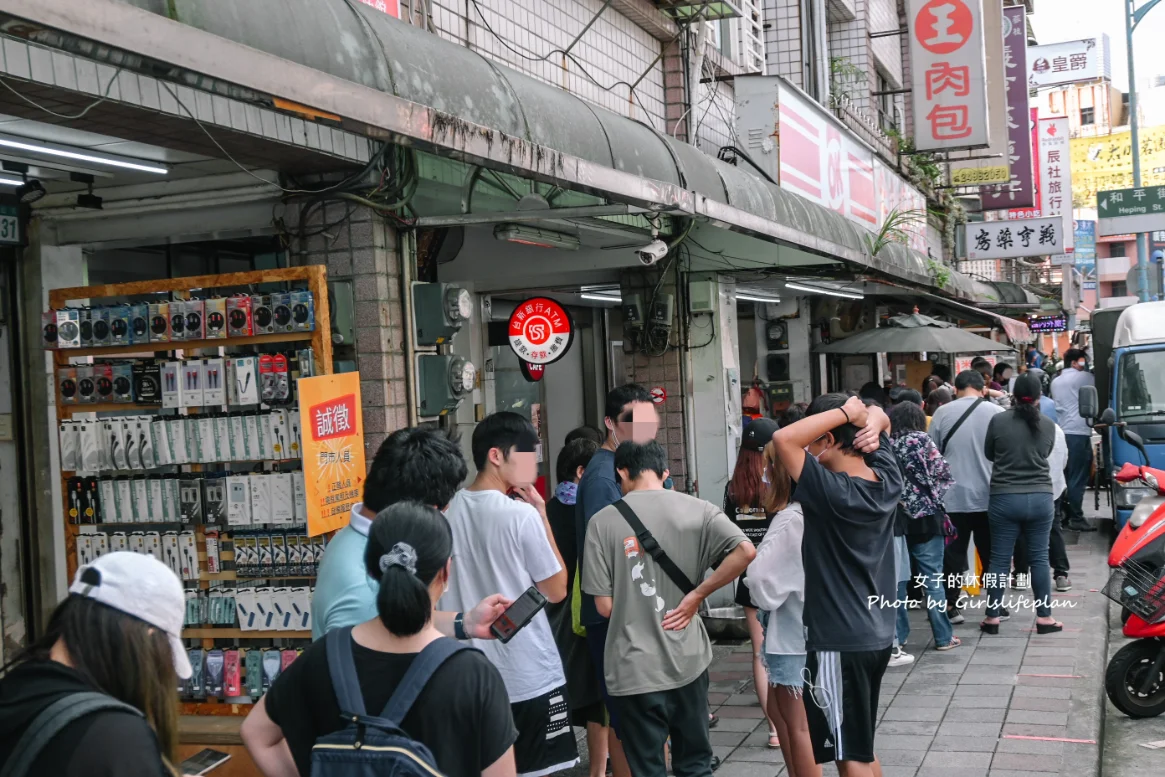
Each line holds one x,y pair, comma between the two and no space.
89,107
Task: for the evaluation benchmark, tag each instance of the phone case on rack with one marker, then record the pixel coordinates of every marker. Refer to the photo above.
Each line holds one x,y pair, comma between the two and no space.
254,671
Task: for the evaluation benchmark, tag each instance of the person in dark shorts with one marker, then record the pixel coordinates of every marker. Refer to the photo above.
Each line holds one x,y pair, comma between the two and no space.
743,497
848,484
629,415
582,687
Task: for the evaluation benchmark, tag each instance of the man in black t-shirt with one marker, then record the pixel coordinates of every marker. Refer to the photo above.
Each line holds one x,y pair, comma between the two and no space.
848,484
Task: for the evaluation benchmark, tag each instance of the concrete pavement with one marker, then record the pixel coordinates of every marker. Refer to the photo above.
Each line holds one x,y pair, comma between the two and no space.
1013,705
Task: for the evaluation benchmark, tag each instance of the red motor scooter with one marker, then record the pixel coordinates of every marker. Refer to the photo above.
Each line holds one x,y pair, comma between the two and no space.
1135,678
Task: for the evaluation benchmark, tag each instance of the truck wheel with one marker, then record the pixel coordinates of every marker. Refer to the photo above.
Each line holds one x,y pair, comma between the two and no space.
1126,674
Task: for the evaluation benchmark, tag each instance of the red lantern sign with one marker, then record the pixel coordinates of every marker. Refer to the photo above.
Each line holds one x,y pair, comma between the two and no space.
540,331
533,372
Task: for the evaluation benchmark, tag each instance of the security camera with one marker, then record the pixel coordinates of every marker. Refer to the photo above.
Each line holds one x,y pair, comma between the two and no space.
652,252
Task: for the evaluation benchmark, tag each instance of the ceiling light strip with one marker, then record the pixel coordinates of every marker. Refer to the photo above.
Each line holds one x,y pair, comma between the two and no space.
820,290
754,298
22,144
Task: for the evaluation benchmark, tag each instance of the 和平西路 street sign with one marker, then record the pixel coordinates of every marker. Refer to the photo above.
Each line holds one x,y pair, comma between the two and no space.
1129,211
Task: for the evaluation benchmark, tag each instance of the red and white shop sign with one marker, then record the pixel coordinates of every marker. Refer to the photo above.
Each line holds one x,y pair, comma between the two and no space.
658,395
1055,163
820,161
949,70
390,7
540,331
533,372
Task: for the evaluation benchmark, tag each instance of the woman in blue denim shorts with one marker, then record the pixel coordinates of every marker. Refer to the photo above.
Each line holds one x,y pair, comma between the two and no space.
776,581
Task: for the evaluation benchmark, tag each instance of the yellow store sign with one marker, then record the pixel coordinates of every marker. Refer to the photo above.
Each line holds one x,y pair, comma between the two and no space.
1106,163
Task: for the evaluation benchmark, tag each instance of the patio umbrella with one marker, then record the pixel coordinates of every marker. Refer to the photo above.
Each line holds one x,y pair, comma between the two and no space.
914,333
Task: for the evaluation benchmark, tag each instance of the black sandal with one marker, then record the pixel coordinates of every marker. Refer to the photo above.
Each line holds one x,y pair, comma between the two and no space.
1049,628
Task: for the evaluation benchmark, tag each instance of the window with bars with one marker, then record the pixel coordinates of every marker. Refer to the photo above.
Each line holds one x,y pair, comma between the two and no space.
1087,116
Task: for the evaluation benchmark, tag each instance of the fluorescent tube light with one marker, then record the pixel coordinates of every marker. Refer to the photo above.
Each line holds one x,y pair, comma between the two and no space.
10,182
36,147
820,290
603,298
535,236
754,298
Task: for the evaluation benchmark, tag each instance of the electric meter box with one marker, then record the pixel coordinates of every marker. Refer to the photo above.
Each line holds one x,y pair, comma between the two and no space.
440,310
442,382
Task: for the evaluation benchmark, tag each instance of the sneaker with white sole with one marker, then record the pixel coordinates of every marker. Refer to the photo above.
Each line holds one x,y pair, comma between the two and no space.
900,657
1063,583
956,617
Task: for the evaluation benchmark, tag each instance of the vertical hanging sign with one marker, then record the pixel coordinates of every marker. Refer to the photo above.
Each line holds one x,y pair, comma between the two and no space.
1056,174
390,7
949,74
333,449
1020,192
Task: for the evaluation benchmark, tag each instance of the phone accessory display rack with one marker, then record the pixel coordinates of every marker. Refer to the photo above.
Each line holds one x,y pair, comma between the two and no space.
315,278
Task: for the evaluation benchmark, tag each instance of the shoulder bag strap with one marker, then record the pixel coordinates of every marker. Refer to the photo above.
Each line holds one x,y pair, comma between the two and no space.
51,720
943,448
419,672
342,668
652,548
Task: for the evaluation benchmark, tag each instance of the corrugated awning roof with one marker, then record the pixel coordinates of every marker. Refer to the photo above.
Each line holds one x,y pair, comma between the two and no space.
371,69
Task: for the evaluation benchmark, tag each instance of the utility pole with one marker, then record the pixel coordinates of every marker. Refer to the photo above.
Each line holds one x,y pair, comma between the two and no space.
1133,17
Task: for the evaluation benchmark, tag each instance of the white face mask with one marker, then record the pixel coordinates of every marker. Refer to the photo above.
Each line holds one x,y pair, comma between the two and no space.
816,456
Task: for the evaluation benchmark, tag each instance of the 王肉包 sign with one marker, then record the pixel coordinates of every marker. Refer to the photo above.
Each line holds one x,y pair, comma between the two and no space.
820,160
1055,161
1130,211
1026,237
1020,191
1064,63
949,74
540,331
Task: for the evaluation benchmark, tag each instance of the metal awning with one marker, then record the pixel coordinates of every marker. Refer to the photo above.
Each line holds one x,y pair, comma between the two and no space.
1017,331
382,78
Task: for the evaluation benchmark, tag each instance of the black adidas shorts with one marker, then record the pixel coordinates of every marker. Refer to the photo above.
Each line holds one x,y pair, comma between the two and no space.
841,703
545,741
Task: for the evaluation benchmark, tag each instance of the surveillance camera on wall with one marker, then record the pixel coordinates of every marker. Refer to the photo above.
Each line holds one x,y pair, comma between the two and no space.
652,252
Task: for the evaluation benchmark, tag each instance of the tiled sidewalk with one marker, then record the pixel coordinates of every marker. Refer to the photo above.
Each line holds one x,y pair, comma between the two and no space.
998,706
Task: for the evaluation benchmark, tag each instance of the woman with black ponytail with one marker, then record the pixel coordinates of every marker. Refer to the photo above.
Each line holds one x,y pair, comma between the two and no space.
1018,443
463,713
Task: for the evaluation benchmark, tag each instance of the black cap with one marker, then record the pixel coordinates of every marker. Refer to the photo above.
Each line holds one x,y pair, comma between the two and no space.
758,434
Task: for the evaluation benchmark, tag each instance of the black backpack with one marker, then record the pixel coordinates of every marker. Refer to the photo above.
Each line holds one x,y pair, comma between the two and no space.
51,721
369,746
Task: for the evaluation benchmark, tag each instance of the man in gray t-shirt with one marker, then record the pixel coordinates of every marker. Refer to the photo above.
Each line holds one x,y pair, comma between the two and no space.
657,651
966,501
1066,393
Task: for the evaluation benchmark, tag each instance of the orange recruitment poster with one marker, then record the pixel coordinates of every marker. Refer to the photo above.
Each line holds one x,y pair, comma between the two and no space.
333,449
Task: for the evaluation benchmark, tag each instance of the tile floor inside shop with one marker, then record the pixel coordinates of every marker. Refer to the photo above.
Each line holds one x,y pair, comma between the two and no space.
998,706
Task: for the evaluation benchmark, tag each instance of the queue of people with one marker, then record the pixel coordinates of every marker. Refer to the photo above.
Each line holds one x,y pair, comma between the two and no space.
407,593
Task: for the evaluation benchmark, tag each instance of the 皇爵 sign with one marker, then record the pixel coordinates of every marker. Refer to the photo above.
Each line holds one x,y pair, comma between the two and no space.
949,80
1048,323
1026,237
1064,63
1130,211
9,225
332,427
540,331
1020,191
1056,173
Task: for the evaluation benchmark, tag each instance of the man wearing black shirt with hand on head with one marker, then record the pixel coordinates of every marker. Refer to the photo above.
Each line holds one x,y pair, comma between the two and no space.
848,484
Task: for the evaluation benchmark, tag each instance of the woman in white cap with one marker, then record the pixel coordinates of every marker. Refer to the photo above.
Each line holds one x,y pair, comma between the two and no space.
96,694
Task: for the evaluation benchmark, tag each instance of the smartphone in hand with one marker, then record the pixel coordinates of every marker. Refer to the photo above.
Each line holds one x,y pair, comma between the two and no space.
518,614
203,762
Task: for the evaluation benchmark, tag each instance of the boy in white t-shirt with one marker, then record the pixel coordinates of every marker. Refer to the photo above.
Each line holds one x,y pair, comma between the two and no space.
504,544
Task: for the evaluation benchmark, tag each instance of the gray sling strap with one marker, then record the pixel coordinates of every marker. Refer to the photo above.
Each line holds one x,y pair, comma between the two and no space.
51,721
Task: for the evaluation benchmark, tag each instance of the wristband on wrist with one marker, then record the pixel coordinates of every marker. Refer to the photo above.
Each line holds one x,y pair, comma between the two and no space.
842,409
459,626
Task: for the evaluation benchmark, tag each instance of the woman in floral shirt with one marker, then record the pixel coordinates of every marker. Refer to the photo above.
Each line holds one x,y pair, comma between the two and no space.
926,478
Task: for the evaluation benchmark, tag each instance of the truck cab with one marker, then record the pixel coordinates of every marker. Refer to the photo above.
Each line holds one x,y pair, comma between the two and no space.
1129,363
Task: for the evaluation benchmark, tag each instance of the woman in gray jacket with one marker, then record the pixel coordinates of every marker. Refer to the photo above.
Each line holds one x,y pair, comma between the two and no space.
776,581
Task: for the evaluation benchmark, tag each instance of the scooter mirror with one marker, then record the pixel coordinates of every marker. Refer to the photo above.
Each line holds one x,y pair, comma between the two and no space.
1088,402
1134,439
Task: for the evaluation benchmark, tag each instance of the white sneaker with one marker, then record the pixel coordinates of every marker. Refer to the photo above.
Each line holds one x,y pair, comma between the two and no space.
900,657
